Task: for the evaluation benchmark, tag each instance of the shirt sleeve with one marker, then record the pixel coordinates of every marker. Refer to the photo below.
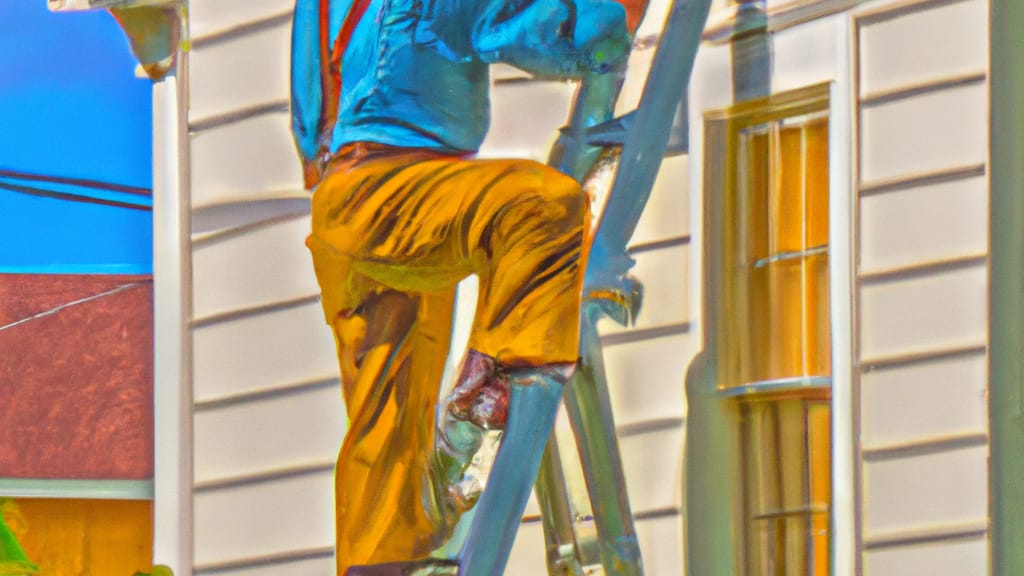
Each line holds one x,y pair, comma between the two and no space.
565,38
306,80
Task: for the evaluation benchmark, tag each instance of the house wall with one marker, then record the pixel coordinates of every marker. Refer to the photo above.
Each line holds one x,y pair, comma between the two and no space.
921,286
268,416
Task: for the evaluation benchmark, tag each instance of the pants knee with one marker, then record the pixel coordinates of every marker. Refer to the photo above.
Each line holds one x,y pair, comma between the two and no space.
565,192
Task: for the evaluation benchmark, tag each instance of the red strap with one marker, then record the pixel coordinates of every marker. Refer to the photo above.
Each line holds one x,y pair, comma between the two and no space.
330,63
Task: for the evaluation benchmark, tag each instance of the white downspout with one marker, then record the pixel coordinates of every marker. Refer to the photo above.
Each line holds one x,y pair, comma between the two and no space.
172,304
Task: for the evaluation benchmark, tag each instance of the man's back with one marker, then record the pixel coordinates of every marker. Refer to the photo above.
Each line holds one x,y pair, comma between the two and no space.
415,72
410,78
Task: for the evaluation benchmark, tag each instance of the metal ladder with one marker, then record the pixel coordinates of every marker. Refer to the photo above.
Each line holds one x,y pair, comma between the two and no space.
636,142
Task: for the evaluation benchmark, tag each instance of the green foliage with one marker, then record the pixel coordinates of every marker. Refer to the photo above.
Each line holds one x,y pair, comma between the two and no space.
158,570
13,561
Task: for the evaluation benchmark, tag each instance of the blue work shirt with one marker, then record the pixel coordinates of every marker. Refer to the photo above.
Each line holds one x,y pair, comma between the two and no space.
416,72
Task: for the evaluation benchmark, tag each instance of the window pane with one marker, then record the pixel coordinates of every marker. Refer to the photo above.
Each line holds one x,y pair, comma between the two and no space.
786,469
778,320
816,178
788,204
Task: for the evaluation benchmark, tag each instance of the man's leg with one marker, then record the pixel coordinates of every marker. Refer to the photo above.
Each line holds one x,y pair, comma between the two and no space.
523,350
391,349
520,227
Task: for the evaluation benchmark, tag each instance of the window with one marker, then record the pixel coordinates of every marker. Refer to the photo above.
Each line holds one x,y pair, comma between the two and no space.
772,328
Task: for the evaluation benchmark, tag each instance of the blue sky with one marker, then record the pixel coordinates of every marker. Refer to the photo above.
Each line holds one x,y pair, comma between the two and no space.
70,106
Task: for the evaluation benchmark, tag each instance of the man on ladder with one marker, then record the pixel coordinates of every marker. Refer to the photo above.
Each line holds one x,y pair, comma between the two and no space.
390,99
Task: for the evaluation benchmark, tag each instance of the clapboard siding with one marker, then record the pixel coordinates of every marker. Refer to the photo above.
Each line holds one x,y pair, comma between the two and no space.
660,538
644,380
652,477
264,518
246,160
245,438
930,132
806,54
322,564
269,417
668,211
239,72
528,556
266,265
525,117
922,313
636,73
212,17
923,491
926,45
661,544
957,558
923,224
262,351
892,411
934,311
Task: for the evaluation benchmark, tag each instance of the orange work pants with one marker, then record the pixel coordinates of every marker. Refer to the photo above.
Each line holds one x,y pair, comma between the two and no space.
393,232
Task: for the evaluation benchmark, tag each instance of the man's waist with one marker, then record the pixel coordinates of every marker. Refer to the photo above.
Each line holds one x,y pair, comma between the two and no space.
354,153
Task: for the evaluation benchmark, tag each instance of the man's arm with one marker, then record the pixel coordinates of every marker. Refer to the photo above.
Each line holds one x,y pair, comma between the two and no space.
562,38
306,88
315,28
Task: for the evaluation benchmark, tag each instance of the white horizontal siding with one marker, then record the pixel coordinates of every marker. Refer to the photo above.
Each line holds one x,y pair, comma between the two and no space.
933,131
268,264
319,566
924,45
941,559
636,74
653,469
525,118
805,55
654,19
922,295
236,73
262,351
661,543
244,172
893,412
922,492
668,210
213,220
922,224
946,309
263,519
528,556
214,16
646,377
246,438
242,161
